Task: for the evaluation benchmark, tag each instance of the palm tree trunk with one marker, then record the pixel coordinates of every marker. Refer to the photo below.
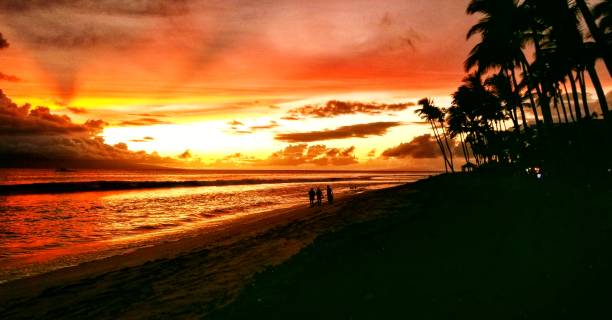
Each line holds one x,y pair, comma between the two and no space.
585,101
575,95
534,107
518,102
466,155
556,104
514,119
601,96
562,105
569,102
544,101
450,152
435,131
597,33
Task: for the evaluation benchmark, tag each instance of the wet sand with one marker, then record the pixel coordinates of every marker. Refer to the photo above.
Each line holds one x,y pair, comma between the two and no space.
186,278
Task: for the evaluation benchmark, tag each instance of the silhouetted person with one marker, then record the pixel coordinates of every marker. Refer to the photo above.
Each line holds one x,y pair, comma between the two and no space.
319,196
311,195
330,195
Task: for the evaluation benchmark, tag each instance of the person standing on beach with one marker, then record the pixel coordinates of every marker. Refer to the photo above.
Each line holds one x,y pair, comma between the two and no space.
330,195
311,195
319,196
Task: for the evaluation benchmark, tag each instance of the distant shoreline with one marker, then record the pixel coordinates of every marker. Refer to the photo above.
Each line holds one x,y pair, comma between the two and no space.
77,186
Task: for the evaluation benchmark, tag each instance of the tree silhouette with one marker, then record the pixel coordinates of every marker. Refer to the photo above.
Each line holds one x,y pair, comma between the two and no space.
435,117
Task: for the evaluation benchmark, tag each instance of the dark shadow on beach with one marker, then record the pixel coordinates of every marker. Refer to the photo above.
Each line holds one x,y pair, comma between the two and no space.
462,247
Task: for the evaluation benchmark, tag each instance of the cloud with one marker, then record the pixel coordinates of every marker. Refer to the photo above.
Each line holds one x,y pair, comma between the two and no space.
302,154
139,7
354,131
148,115
3,43
185,155
143,122
237,127
9,78
270,125
35,134
335,108
235,123
77,110
291,156
145,139
421,147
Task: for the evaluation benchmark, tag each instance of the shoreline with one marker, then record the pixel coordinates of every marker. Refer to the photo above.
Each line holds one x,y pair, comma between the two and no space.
241,230
93,186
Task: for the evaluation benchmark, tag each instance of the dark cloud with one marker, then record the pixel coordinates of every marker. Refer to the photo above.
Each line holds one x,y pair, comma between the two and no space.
57,34
3,43
77,110
143,122
235,123
9,78
35,134
134,7
23,120
421,147
354,131
372,153
335,108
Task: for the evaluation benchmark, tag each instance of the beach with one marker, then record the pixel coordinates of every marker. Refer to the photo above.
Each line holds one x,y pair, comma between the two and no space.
205,271
52,220
479,246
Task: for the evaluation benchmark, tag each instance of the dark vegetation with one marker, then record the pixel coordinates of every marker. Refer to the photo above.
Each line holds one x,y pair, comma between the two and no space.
515,108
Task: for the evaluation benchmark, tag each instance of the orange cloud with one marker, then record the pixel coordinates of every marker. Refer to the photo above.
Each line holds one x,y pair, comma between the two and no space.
143,122
303,154
421,147
335,108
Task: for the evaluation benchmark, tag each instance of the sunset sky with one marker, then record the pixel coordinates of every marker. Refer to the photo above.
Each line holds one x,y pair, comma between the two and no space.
238,83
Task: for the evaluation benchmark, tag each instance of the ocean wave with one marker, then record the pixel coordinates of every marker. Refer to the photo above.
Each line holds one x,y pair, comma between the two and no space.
66,187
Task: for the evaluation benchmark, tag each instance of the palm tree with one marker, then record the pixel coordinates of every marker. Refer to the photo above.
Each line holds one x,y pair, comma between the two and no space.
501,42
597,33
504,32
435,117
501,88
588,61
458,126
481,110
562,34
603,14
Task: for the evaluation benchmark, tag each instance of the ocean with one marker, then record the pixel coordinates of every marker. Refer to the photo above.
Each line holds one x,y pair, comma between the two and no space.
52,219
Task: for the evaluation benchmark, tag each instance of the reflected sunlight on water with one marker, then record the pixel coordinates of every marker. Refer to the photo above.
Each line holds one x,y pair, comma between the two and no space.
42,232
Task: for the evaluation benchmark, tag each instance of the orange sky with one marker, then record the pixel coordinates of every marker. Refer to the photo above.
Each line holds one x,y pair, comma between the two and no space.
178,72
